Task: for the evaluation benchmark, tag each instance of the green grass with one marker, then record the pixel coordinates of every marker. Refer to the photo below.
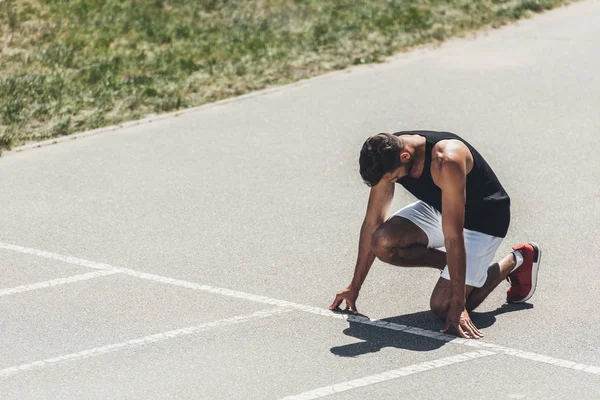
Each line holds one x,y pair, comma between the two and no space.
73,65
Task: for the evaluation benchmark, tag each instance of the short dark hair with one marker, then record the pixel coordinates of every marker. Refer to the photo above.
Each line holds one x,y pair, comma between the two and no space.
380,154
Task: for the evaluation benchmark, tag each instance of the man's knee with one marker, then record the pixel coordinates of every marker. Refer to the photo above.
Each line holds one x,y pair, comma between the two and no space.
439,306
384,246
380,244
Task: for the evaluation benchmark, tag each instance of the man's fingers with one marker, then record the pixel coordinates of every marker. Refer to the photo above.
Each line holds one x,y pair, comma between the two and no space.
474,328
336,303
465,333
461,332
352,305
339,298
472,333
467,326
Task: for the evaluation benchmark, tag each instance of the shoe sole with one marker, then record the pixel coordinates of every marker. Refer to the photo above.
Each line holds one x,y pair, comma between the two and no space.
537,259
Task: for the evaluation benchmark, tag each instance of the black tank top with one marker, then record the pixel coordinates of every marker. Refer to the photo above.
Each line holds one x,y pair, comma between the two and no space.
487,208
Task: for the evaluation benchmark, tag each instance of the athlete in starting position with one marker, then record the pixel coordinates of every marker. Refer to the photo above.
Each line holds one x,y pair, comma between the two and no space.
462,206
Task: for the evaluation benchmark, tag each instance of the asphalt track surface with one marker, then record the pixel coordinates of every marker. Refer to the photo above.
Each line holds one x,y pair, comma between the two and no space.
194,257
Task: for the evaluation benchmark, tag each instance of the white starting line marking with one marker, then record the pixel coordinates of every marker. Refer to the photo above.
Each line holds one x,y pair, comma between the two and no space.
54,256
56,282
313,310
388,375
159,337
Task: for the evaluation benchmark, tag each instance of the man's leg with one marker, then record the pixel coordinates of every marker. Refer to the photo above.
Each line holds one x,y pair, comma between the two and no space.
401,242
440,298
410,237
479,279
497,273
522,275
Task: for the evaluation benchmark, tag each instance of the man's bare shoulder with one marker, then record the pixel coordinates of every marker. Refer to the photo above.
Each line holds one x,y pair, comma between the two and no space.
451,153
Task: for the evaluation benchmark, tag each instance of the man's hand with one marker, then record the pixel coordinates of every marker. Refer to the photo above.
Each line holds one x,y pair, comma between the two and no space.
459,318
350,294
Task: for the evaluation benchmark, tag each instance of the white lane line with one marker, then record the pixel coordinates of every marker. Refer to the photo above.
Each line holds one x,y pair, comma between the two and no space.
159,337
56,282
54,256
313,310
388,375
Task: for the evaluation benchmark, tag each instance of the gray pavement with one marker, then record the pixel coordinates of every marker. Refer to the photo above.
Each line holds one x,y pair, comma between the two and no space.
187,221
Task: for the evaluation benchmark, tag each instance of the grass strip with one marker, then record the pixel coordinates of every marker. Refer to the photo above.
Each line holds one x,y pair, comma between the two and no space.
71,66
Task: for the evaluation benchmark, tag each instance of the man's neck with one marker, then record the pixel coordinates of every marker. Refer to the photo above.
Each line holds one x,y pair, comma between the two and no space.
417,146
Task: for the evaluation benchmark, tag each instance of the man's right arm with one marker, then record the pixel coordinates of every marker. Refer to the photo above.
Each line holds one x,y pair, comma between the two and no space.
380,199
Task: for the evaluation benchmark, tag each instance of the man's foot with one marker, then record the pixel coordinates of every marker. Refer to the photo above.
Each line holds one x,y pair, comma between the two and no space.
523,279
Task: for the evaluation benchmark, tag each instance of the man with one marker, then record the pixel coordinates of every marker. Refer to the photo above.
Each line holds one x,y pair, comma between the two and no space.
462,206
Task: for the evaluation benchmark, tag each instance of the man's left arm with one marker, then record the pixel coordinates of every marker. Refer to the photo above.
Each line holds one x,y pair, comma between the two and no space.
452,179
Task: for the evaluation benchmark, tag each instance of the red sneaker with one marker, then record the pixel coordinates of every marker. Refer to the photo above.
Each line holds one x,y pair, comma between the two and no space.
523,279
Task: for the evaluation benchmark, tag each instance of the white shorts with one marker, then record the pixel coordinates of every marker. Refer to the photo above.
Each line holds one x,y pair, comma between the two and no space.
480,247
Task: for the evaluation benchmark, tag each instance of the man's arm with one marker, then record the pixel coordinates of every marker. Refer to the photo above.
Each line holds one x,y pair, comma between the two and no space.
449,172
452,180
380,199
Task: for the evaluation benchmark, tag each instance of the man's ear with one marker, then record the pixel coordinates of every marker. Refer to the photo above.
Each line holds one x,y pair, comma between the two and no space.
405,156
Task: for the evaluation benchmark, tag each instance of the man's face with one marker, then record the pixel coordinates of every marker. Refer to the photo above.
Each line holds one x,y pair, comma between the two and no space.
407,164
400,172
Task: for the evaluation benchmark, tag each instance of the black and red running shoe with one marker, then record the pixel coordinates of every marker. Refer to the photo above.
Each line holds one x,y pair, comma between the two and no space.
523,279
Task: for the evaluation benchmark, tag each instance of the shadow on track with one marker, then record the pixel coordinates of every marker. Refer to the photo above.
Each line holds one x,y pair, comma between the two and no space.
374,339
